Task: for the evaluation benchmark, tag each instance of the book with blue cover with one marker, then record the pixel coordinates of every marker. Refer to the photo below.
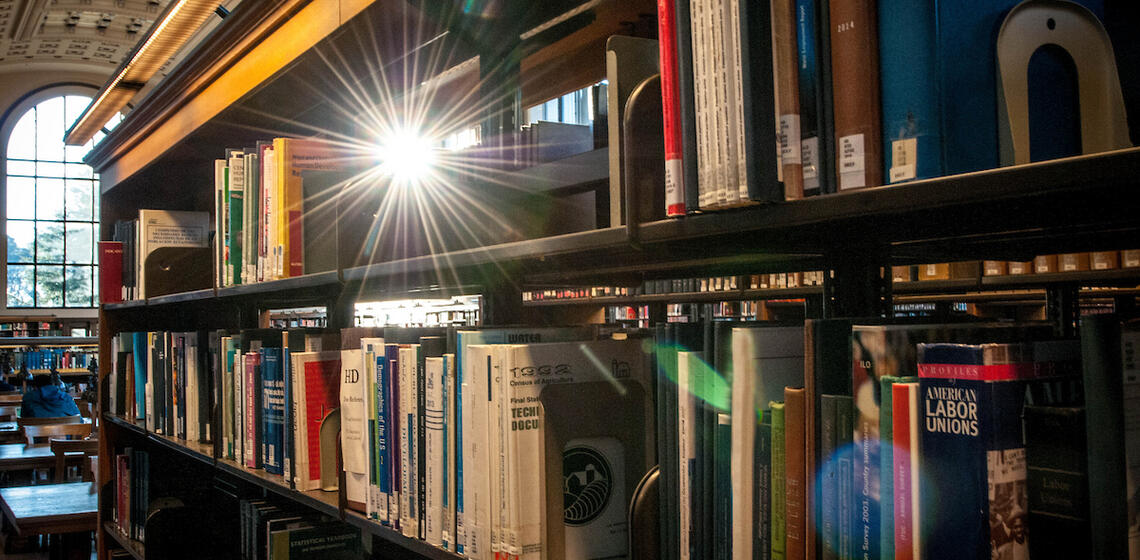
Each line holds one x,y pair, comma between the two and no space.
273,411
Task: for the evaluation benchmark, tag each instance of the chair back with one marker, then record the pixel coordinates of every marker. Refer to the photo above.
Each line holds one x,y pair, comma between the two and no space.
34,421
61,447
39,434
13,397
8,412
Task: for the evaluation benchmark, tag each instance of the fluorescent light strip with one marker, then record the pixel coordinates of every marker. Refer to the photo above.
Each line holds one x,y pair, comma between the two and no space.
168,35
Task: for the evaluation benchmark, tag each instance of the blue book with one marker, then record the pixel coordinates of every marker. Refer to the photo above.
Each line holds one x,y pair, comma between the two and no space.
938,75
139,341
273,411
383,429
815,171
975,497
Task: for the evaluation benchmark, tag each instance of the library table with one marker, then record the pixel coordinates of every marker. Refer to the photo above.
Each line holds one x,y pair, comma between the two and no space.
67,509
18,456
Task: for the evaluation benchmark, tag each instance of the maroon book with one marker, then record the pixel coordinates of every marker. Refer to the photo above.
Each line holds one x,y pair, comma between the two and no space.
110,271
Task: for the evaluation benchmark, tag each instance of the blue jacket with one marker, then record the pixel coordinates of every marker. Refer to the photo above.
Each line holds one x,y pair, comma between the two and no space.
47,401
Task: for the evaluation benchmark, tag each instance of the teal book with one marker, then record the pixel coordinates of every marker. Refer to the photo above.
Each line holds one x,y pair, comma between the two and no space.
237,197
722,523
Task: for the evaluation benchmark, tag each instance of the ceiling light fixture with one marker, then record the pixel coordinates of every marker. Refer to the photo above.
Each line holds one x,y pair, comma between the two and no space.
170,32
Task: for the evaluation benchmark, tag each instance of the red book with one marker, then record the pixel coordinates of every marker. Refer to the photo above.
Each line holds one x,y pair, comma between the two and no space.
795,472
252,361
904,400
110,271
671,111
322,395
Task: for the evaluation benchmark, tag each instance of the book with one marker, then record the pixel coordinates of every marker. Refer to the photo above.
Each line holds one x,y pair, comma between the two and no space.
273,411
670,108
315,541
1056,457
855,91
813,64
778,487
317,393
765,360
886,460
1110,457
293,156
687,439
972,449
172,238
906,464
786,61
795,475
110,271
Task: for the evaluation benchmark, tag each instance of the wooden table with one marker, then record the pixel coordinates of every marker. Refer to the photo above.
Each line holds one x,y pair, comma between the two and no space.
51,508
18,456
69,510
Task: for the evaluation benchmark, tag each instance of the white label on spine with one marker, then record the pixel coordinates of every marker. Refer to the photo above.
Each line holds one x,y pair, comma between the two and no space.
674,188
809,154
904,159
852,162
789,139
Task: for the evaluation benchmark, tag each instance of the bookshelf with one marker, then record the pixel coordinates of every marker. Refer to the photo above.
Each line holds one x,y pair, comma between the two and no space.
258,73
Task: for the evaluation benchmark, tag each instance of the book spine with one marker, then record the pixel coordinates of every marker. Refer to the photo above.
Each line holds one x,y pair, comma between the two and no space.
845,477
686,104
249,414
779,482
1055,454
433,428
383,438
762,493
671,113
237,195
828,489
110,271
795,473
292,410
723,488
273,415
687,452
886,462
908,62
903,537
1103,344
807,40
787,95
855,90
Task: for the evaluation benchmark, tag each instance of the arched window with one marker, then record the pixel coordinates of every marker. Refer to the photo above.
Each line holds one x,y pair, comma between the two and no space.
52,212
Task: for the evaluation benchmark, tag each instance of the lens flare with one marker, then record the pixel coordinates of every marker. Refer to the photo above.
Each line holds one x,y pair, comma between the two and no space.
406,156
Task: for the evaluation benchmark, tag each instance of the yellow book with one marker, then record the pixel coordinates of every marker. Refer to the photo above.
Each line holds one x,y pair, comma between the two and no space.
294,156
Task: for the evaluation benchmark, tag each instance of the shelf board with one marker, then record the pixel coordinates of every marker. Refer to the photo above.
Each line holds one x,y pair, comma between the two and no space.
195,295
135,548
127,304
393,536
684,297
324,502
307,282
46,341
1116,277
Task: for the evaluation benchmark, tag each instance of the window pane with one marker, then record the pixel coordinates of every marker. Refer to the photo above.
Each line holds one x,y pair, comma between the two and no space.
49,130
74,107
21,197
50,169
21,167
21,281
78,244
49,199
79,171
49,242
21,239
22,142
49,286
78,286
78,200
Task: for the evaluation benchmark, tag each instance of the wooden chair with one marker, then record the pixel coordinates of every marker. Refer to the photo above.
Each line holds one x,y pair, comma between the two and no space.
50,420
42,432
62,447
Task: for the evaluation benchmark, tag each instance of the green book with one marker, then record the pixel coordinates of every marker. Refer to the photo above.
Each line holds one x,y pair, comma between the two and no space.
778,484
886,458
845,477
237,195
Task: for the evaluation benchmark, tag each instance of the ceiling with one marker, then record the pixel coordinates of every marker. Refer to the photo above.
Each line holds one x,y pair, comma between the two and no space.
94,33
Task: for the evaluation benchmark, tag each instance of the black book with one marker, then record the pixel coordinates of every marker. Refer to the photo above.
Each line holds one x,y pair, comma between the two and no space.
1056,453
1104,414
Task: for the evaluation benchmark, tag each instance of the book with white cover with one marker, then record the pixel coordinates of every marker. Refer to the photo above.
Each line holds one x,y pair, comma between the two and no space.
765,360
434,447
597,394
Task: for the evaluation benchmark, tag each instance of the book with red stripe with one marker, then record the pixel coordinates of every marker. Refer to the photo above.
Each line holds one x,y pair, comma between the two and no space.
670,109
906,460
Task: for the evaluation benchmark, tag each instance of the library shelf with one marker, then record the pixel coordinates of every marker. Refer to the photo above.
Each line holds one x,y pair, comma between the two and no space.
182,297
1121,277
1014,296
136,549
408,544
48,341
125,304
685,297
324,502
313,281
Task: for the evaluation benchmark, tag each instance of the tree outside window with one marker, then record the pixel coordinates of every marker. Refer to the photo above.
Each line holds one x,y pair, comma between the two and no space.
53,209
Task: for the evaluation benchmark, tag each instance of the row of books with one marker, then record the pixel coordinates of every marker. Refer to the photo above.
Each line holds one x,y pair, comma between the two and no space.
1041,264
132,492
28,328
52,359
867,94
161,252
278,530
776,280
841,440
414,407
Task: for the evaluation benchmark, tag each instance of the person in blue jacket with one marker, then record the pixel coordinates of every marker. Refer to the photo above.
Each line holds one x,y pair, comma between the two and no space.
46,400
